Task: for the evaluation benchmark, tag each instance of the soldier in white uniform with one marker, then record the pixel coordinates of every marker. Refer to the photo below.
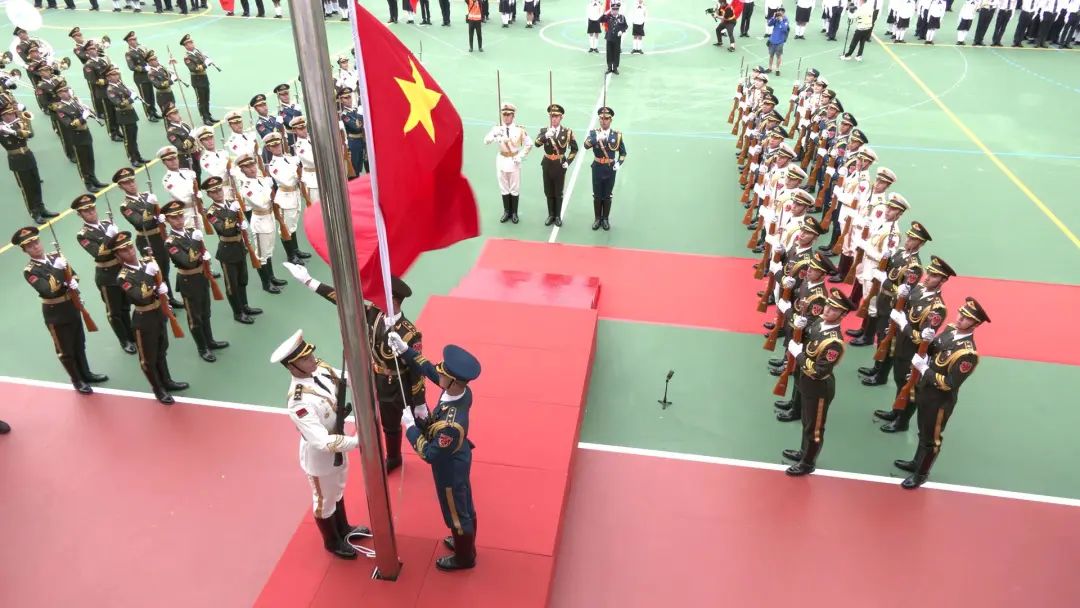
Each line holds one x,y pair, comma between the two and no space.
286,169
313,408
883,239
255,191
346,78
514,145
180,183
214,162
303,150
240,142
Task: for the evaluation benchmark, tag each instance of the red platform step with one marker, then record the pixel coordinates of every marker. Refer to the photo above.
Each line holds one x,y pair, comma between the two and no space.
546,288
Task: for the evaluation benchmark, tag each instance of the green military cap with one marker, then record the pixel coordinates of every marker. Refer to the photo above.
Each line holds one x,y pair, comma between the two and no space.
555,110
940,267
186,39
173,208
75,31
121,240
281,88
811,224
123,174
848,118
919,231
399,288
859,136
838,299
211,184
25,235
605,112
129,36
973,310
83,201
822,262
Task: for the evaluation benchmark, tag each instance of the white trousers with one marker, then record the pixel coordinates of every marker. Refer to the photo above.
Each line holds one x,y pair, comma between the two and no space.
291,217
264,244
327,490
509,181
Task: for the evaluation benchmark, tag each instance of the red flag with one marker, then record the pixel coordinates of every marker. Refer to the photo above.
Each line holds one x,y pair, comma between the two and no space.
227,5
737,6
415,136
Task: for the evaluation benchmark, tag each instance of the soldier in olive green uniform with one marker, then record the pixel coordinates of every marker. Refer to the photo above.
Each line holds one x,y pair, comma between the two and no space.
14,133
138,281
950,360
189,254
47,275
560,148
809,302
72,117
228,222
142,211
824,347
122,100
925,309
94,237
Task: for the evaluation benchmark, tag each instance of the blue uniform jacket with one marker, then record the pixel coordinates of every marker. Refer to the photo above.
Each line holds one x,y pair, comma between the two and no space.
443,442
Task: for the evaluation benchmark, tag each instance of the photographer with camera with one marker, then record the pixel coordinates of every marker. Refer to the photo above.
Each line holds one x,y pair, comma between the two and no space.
725,18
863,16
779,28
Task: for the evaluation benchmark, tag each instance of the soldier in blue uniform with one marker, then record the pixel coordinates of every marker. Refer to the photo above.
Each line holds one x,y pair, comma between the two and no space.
441,439
355,138
265,123
609,153
287,110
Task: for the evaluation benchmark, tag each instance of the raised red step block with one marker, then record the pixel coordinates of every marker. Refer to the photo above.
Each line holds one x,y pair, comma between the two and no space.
526,287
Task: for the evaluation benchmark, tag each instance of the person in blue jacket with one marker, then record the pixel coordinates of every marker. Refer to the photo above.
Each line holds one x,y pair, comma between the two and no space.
442,440
780,27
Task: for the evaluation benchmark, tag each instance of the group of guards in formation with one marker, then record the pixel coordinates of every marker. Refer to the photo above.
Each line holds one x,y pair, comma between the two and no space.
821,163
560,149
248,188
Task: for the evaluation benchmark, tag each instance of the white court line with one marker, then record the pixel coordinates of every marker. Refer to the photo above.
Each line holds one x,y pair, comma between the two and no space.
751,464
569,189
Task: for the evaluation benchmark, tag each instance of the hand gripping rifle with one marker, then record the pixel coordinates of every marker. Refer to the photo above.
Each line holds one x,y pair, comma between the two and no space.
738,93
904,395
794,96
343,410
148,256
255,263
215,289
875,288
778,324
73,294
883,346
781,383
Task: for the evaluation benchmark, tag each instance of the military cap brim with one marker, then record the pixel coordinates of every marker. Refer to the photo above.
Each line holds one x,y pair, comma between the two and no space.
123,174
459,364
25,235
555,110
293,348
838,299
185,39
897,201
129,36
399,288
802,197
256,100
281,88
919,231
823,263
173,208
940,267
211,183
973,310
605,112
121,240
811,224
74,32
83,201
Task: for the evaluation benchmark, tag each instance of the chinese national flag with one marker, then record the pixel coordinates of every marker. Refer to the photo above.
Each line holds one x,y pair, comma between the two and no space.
736,6
416,135
227,5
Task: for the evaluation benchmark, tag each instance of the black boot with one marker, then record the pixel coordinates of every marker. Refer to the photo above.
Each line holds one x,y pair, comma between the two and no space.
160,393
342,525
208,335
606,210
166,378
200,345
808,464
393,450
882,375
238,312
77,381
924,461
264,277
514,198
270,269
84,370
598,213
332,541
292,251
464,556
506,209
870,371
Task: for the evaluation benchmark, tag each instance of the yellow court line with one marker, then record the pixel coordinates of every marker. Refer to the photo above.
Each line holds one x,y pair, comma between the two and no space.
979,144
985,46
129,25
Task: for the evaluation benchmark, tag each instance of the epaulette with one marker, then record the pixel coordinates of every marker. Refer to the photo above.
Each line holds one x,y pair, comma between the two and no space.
298,392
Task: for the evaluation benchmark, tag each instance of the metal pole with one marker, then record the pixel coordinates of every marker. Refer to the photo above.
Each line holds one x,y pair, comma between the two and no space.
309,35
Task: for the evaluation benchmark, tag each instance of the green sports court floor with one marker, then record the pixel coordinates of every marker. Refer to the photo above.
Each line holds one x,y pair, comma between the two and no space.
983,141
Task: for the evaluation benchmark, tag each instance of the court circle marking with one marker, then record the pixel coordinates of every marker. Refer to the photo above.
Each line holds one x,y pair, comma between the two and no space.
706,36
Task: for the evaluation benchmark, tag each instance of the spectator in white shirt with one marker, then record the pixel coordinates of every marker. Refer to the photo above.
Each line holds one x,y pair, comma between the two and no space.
803,8
770,9
1027,12
905,9
1001,23
637,26
934,13
864,26
967,15
1072,24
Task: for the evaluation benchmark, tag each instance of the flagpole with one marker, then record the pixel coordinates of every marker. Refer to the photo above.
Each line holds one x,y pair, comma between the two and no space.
313,55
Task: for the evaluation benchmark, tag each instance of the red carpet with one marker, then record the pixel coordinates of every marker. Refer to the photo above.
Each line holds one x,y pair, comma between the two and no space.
751,537
119,501
529,402
718,293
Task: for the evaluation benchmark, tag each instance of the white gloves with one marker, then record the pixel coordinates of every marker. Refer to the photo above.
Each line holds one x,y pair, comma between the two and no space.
420,411
775,267
615,167
842,171
59,262
206,256
151,198
549,133
799,321
898,317
783,305
920,363
903,291
243,225
234,206
300,273
162,289
85,114
794,348
73,283
565,165
160,218
821,151
879,276
829,171
928,334
872,308
197,234
112,231
152,268
407,419
396,343
787,282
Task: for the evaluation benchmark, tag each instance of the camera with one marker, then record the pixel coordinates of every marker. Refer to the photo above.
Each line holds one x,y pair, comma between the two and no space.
851,6
710,11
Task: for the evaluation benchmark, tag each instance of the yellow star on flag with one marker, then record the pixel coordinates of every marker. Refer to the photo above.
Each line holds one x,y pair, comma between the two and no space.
422,101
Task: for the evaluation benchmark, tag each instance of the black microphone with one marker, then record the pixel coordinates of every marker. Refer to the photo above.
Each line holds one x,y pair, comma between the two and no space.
664,402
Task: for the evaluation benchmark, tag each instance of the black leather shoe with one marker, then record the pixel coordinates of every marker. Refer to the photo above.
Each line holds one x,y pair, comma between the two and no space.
505,218
776,371
795,455
894,427
449,542
173,385
217,345
176,304
129,348
799,469
82,387
913,482
603,224
91,188
862,341
163,397
558,221
783,404
836,279
278,282
789,416
549,221
303,255
270,288
777,362
888,415
824,247
867,371
38,219
758,249
854,333
93,378
874,381
596,225
450,562
46,213
768,325
242,318
514,218
252,311
905,465
207,356
392,463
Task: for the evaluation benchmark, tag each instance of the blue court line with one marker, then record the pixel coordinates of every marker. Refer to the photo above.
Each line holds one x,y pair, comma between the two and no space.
1038,75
